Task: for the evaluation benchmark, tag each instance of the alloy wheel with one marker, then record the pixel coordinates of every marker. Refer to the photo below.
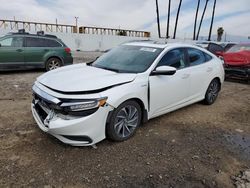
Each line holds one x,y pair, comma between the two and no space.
53,64
126,121
213,91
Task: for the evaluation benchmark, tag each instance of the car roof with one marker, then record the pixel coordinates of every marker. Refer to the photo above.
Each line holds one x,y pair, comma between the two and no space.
32,35
160,45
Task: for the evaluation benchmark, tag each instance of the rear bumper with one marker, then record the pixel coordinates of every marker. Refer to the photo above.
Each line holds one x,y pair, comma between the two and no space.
68,60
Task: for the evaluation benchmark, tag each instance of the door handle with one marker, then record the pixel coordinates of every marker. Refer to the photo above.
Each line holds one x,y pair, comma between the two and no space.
209,69
185,76
19,50
46,50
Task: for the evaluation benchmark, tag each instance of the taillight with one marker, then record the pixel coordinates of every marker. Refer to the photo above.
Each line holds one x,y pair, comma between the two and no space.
67,50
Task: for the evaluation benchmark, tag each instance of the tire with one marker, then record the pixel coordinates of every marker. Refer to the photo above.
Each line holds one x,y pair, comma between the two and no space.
212,92
53,63
124,121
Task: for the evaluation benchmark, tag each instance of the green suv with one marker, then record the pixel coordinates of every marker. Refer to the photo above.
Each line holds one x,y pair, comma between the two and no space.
23,51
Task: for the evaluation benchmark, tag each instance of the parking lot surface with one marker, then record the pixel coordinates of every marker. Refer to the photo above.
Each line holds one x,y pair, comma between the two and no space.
197,146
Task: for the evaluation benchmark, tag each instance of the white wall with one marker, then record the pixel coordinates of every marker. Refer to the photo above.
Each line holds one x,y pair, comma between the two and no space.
89,42
92,42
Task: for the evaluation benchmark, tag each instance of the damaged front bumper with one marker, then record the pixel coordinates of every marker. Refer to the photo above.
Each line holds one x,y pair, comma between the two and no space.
74,130
237,72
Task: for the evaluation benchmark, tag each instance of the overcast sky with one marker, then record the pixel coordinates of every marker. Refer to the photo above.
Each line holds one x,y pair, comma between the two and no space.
232,15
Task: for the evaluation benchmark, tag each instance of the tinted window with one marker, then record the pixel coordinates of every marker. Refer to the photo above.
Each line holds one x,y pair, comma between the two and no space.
174,58
128,58
40,42
215,48
208,57
52,43
34,42
228,46
196,57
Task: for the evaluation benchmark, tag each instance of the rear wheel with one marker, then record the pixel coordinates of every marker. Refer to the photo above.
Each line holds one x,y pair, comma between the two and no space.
124,121
212,92
53,63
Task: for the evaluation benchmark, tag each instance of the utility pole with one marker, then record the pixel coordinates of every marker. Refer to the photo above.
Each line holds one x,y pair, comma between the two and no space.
158,18
169,6
212,22
196,16
76,23
205,8
177,18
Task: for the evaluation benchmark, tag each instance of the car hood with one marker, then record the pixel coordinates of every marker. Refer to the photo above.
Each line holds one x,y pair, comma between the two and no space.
83,78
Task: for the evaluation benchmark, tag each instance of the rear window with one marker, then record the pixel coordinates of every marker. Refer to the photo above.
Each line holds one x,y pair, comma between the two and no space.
196,57
40,42
208,57
239,47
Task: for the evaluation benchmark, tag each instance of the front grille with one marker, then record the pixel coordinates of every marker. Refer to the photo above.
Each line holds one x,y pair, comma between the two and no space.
41,112
41,106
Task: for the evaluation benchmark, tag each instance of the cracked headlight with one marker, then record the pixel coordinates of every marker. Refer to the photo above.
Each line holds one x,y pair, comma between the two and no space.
77,106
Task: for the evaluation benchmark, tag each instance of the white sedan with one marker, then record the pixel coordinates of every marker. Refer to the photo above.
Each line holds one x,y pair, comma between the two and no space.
83,104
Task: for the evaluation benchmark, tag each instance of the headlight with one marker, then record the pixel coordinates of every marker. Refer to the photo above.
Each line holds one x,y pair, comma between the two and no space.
76,106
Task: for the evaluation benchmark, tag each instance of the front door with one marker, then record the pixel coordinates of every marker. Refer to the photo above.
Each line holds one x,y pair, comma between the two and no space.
167,92
11,52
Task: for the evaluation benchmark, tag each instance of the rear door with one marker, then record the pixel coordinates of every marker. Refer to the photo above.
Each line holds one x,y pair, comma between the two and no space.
201,68
11,52
35,50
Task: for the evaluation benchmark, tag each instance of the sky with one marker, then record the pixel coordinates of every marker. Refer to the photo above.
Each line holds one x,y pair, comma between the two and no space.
232,15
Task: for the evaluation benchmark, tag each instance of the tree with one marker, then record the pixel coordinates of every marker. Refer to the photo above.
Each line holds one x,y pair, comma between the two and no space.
204,10
158,18
212,22
177,17
220,32
195,20
169,5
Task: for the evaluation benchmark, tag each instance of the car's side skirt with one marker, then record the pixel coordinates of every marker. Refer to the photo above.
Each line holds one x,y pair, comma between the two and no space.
177,107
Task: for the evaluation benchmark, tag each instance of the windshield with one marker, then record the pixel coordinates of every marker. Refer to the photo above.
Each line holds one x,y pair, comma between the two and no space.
239,47
128,59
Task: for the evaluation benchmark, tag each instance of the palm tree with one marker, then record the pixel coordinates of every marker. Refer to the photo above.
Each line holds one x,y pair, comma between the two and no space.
195,21
158,18
220,32
177,17
205,8
169,5
212,22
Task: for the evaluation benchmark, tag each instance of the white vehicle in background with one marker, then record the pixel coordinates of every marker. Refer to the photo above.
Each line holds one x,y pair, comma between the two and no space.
83,104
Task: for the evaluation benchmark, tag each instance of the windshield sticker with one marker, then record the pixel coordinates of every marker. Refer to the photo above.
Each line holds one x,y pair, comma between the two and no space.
148,49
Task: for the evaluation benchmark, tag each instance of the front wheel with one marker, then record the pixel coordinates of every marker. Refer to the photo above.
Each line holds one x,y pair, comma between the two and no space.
212,92
124,121
53,63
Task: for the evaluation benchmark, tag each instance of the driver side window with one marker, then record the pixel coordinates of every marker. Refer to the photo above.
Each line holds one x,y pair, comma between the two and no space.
6,42
12,42
174,58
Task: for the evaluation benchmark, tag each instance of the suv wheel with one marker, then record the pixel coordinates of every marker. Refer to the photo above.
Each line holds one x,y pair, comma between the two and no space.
124,121
53,63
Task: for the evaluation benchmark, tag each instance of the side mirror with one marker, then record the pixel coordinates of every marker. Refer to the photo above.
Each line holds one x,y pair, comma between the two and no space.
164,70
